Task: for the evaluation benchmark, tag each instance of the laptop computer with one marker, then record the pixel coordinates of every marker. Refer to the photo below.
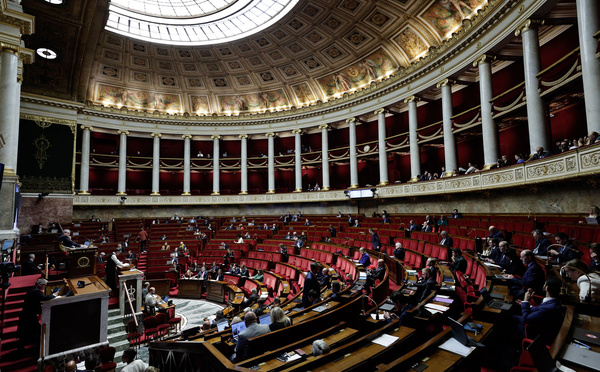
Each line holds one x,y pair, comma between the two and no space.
87,243
494,304
591,220
265,319
236,328
459,333
222,324
582,357
386,307
586,336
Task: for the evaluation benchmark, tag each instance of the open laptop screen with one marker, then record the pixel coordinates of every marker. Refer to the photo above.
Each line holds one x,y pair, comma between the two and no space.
265,319
236,328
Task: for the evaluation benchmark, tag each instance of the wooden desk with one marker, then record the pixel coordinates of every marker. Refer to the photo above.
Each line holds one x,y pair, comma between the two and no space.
215,290
190,288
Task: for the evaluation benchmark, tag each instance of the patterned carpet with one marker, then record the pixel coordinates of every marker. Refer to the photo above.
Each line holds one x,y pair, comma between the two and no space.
192,313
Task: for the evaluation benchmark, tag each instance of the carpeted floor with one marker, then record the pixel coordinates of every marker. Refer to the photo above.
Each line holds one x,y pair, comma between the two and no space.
192,313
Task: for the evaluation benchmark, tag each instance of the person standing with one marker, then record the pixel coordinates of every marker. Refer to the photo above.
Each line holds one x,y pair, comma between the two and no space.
143,239
112,266
28,328
311,283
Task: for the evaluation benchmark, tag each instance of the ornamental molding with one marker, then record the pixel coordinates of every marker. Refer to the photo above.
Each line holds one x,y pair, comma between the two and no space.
573,165
46,121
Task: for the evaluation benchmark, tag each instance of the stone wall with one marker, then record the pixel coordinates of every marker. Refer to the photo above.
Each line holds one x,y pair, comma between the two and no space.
52,208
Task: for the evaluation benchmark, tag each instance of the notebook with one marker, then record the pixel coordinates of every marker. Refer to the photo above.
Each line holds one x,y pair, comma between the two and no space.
582,357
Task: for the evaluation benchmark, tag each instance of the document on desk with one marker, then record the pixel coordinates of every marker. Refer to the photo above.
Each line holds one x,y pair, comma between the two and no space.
436,307
453,346
488,264
385,340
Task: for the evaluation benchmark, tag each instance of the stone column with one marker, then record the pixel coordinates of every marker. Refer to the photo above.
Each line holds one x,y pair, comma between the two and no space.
298,158
451,162
536,114
325,155
271,163
156,163
352,150
186,164
383,160
588,24
413,139
216,184
84,171
121,189
10,99
244,164
488,127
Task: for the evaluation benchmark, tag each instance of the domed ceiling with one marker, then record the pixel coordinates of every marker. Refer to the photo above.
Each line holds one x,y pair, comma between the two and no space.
318,51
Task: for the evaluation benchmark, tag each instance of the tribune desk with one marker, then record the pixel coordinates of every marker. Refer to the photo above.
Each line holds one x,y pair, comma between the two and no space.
132,280
78,322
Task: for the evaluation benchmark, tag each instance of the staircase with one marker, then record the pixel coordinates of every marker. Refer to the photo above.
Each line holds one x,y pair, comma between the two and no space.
117,335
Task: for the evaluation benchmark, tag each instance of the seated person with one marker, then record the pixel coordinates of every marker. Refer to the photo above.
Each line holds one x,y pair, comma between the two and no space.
319,347
253,329
203,274
66,241
244,271
458,261
445,239
251,299
259,276
402,307
431,264
278,319
566,251
399,251
377,274
314,297
594,259
133,365
219,275
151,301
325,279
426,284
365,259
512,263
235,269
541,243
335,290
587,281
533,277
545,319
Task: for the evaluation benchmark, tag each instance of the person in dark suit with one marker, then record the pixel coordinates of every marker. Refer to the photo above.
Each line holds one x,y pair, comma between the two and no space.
251,299
495,255
325,279
533,277
495,233
399,251
458,261
541,243
375,243
244,271
336,287
512,264
66,241
29,266
545,319
253,329
566,252
402,308
376,274
445,239
350,220
365,259
311,283
219,276
540,154
28,328
332,231
426,284
455,214
594,259
432,265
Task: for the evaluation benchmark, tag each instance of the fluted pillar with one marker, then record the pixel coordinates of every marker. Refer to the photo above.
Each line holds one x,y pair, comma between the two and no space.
536,114
325,155
216,171
588,24
156,163
352,150
84,171
298,158
451,162
271,163
413,139
244,164
121,187
381,135
488,127
186,163
9,111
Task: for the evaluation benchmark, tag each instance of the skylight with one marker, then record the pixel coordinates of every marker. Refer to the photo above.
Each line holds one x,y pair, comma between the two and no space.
194,22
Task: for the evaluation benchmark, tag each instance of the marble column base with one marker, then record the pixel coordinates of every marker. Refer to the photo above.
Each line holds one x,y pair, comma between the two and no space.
383,183
121,193
271,192
83,193
186,193
353,187
326,188
298,190
243,192
155,193
216,193
413,179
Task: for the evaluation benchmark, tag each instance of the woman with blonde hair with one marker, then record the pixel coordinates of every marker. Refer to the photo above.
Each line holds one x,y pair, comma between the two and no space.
587,281
278,319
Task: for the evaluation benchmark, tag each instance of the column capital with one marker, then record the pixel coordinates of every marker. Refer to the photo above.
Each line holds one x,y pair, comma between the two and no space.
243,136
446,82
215,137
8,47
270,134
298,131
351,120
156,134
87,127
530,24
381,111
125,132
186,136
412,99
483,59
324,126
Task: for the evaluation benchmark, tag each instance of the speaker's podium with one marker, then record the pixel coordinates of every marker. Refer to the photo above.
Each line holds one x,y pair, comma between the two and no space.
75,322
131,279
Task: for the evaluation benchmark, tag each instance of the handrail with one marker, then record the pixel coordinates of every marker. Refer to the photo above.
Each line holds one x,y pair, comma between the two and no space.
539,74
130,304
520,85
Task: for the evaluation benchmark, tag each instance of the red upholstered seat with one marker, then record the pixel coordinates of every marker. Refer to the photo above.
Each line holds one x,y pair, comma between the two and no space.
162,324
150,327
